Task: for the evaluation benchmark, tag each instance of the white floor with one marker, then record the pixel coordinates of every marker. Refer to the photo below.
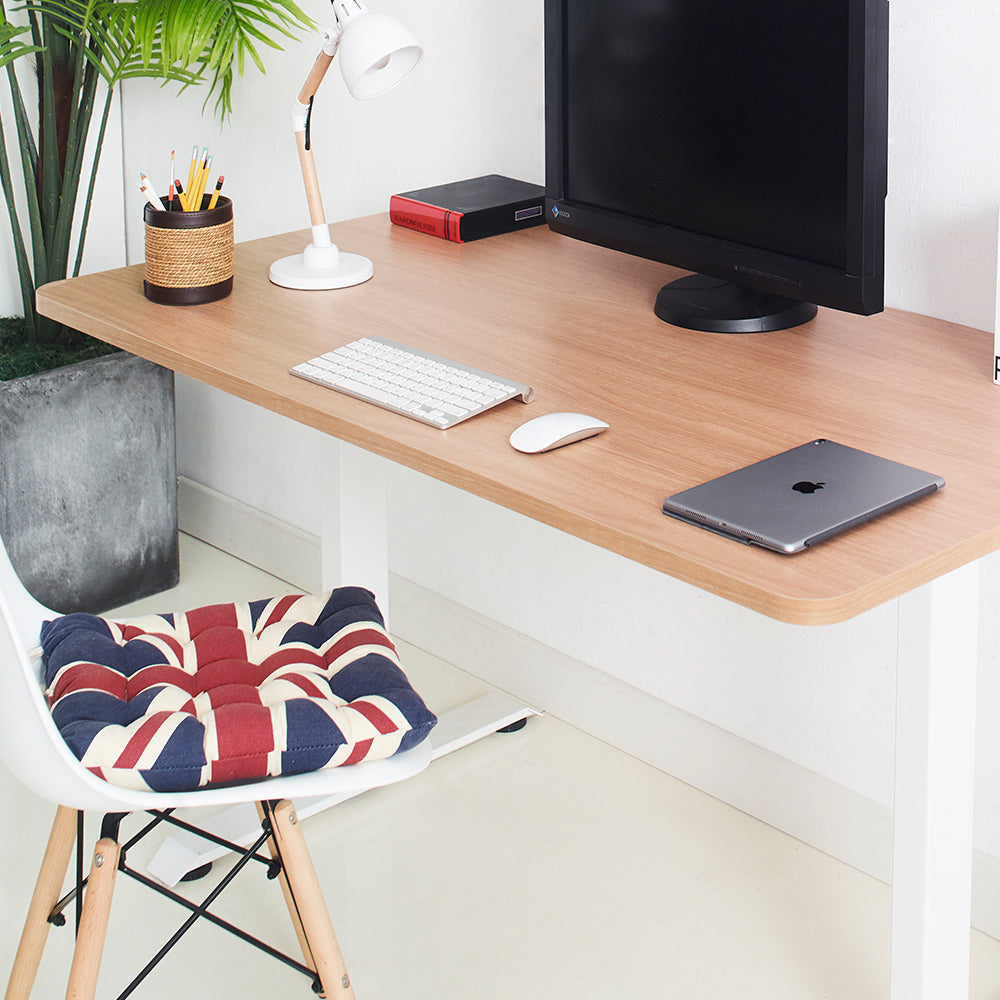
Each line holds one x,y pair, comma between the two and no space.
541,865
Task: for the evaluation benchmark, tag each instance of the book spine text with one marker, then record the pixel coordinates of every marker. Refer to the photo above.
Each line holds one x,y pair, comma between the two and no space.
430,219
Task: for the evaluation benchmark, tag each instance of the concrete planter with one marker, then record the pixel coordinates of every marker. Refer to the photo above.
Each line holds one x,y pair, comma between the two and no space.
88,482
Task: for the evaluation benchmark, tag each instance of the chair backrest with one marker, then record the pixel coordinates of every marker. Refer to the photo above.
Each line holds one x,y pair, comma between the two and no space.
26,614
30,744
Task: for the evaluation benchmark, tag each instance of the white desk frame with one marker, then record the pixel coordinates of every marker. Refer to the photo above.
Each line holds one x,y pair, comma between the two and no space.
935,733
934,784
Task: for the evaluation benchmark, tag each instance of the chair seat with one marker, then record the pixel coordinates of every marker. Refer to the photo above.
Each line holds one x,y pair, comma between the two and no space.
231,693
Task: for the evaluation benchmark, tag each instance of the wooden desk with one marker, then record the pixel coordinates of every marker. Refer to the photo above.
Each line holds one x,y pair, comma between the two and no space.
576,322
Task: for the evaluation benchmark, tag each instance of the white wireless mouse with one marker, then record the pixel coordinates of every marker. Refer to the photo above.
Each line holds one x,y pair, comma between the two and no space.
553,430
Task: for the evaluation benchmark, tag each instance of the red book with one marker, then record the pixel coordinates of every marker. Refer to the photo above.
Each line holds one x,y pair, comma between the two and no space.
470,209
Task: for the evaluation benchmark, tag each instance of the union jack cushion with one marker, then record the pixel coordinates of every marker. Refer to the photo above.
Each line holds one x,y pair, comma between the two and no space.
231,693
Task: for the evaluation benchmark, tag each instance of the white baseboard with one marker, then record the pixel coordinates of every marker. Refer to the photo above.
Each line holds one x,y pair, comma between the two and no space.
842,823
249,534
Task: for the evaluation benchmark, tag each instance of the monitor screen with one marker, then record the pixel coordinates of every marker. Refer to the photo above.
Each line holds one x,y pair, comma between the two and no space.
745,141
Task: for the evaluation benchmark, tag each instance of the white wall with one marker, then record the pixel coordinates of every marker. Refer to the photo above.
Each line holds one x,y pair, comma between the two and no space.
822,698
944,133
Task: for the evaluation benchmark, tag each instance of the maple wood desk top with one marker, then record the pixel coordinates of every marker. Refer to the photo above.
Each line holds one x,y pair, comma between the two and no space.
576,322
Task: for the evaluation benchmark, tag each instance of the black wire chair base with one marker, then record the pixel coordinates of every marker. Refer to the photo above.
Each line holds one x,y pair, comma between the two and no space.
110,829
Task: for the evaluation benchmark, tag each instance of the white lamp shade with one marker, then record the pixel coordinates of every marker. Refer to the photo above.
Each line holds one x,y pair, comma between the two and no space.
376,53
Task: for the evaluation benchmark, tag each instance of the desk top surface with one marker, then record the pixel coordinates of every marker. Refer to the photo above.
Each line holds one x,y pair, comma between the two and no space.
576,322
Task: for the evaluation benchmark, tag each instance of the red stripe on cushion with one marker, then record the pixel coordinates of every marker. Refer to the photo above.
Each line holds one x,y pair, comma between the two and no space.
213,614
292,656
233,694
129,757
359,637
220,642
375,716
307,684
90,677
359,752
229,671
278,612
245,736
244,769
158,674
172,643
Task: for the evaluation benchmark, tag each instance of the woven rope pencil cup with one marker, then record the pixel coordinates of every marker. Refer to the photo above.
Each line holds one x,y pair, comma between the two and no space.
189,255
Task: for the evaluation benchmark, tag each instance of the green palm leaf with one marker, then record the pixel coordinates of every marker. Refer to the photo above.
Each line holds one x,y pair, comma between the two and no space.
180,40
219,35
11,46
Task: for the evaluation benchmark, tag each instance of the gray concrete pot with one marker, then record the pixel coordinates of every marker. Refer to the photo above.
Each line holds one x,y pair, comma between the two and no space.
88,482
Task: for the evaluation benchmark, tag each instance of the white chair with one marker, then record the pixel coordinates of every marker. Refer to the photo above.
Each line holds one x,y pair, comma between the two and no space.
36,753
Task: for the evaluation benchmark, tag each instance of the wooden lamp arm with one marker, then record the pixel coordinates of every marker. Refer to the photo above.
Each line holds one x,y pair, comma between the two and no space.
300,123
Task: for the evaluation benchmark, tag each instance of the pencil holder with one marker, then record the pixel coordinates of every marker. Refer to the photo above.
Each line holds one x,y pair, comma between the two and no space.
189,255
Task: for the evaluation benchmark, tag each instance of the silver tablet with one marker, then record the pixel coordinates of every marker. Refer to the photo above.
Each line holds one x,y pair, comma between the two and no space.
801,497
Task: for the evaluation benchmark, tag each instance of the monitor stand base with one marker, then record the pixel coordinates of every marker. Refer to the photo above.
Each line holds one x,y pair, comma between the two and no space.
701,302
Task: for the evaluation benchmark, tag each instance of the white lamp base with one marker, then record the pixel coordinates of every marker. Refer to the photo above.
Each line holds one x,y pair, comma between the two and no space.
321,267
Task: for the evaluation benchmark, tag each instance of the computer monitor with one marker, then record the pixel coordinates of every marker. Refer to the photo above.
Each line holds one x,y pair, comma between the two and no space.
744,140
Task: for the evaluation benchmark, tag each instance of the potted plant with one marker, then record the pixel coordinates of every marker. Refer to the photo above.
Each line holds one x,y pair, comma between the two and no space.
74,53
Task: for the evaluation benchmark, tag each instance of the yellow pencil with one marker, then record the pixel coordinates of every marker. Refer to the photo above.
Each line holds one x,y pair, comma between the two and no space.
215,193
201,182
180,195
192,169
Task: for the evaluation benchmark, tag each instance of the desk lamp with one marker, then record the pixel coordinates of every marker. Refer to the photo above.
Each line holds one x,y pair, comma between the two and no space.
376,53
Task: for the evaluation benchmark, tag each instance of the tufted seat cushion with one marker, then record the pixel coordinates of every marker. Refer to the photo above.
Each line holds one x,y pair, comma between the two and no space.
231,692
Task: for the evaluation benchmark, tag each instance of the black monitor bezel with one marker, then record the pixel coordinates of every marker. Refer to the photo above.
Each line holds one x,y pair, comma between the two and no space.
858,288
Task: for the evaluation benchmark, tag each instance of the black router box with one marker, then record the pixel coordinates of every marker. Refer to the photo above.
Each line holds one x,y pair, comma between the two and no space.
470,209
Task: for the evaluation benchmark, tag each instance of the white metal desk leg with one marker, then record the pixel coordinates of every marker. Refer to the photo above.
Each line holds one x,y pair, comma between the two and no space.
935,763
355,527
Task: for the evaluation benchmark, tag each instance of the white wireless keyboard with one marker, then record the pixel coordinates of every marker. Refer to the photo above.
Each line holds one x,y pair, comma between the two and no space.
434,390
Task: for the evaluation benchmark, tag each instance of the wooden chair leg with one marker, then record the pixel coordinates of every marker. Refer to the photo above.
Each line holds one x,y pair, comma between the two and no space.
293,911
47,891
308,902
94,922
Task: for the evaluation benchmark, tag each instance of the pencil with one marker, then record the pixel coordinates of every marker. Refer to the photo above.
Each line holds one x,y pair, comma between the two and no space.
200,181
215,193
180,194
173,174
192,169
149,193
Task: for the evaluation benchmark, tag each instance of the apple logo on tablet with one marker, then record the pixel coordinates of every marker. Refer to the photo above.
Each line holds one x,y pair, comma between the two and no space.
805,486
